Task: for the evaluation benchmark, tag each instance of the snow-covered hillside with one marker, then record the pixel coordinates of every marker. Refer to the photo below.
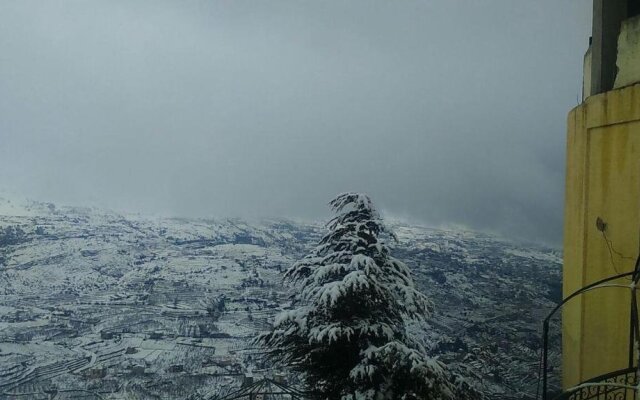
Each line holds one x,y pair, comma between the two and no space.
133,307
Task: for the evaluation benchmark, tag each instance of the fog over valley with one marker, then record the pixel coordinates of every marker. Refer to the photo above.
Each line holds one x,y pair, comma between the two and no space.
250,108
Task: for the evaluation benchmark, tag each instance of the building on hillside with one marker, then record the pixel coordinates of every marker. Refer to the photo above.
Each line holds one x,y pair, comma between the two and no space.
602,214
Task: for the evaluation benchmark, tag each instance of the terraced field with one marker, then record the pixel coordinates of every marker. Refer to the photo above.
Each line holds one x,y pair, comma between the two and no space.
94,304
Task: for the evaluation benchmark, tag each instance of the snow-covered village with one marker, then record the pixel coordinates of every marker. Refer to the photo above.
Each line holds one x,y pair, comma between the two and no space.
319,200
125,306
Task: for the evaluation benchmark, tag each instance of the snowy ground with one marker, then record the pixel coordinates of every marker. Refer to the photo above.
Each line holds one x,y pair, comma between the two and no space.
134,307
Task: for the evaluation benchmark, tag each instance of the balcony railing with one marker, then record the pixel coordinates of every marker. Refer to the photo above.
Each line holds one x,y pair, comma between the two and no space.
612,386
618,385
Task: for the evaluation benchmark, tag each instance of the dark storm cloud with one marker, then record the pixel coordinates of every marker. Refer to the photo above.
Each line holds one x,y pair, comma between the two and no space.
444,111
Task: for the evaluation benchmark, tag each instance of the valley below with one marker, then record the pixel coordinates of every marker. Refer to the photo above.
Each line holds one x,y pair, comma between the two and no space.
97,304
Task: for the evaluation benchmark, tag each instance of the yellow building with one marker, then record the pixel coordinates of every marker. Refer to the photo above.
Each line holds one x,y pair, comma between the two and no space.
602,208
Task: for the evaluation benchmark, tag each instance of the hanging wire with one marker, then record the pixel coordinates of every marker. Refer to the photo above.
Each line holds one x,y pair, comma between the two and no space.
634,277
613,251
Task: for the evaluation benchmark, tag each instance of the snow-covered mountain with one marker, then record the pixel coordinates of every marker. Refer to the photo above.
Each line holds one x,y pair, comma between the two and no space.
124,306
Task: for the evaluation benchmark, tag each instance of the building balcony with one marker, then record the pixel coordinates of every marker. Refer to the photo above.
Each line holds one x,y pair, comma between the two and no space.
618,385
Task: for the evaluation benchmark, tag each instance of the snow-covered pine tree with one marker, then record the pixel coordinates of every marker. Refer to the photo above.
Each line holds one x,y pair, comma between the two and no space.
348,337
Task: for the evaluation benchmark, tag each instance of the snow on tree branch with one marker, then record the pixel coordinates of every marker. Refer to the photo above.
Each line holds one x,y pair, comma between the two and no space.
349,337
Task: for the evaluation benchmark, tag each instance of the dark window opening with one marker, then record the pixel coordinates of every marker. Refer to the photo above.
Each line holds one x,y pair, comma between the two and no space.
633,8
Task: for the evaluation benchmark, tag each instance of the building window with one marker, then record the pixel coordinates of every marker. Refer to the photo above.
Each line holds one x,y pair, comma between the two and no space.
634,8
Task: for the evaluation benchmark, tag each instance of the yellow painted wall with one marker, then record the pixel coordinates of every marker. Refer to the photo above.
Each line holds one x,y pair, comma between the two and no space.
603,180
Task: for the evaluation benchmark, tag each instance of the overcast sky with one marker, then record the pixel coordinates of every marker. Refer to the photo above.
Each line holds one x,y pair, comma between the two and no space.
444,111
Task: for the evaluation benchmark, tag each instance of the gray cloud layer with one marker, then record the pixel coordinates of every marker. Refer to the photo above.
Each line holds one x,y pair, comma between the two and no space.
444,111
